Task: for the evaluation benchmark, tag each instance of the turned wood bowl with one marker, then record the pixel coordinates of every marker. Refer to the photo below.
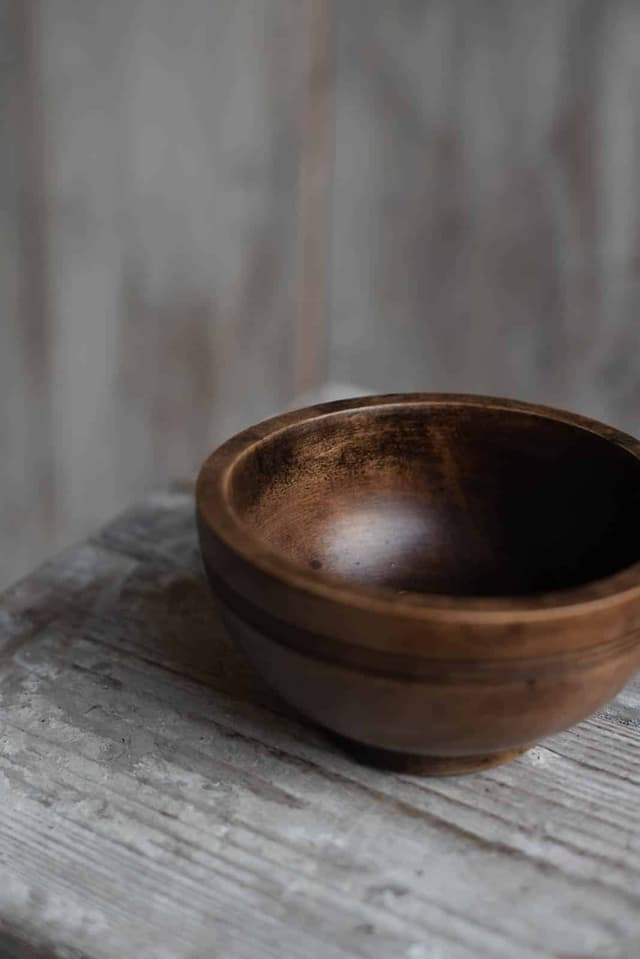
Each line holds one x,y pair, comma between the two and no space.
439,580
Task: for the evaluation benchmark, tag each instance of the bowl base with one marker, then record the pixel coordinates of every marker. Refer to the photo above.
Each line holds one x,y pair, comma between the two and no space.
419,765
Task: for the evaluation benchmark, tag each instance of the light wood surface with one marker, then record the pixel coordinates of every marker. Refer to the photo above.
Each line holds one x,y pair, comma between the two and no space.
156,801
148,247
486,205
208,206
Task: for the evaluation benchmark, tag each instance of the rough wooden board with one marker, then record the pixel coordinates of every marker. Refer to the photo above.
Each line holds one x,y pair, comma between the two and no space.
157,801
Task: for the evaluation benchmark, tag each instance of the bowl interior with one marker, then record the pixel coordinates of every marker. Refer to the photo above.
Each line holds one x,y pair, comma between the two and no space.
452,499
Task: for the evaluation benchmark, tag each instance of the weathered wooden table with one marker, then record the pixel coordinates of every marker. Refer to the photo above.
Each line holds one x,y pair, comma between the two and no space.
156,802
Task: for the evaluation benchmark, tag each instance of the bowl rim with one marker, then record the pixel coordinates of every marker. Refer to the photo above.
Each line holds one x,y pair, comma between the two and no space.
213,505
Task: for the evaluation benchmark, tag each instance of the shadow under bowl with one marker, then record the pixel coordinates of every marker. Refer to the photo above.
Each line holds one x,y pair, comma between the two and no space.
439,579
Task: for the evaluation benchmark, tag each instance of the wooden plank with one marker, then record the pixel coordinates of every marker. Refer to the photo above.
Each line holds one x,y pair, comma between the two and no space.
173,175
27,493
316,175
157,801
485,236
148,171
482,235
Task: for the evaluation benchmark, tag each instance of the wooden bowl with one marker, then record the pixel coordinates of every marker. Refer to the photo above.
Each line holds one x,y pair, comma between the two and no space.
440,580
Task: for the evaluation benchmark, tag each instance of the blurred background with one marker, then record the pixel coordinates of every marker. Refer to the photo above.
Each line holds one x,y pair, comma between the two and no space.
210,208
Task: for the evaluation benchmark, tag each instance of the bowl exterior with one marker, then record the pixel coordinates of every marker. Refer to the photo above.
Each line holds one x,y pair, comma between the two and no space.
414,674
449,710
441,688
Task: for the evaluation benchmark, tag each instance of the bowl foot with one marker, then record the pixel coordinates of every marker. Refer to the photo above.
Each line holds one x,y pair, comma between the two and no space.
419,765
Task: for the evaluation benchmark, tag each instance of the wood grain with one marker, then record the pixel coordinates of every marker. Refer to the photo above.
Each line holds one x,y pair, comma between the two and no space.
156,801
188,191
27,507
154,270
181,234
485,214
316,175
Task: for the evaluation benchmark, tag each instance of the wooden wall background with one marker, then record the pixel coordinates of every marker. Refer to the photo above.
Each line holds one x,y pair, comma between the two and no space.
207,207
